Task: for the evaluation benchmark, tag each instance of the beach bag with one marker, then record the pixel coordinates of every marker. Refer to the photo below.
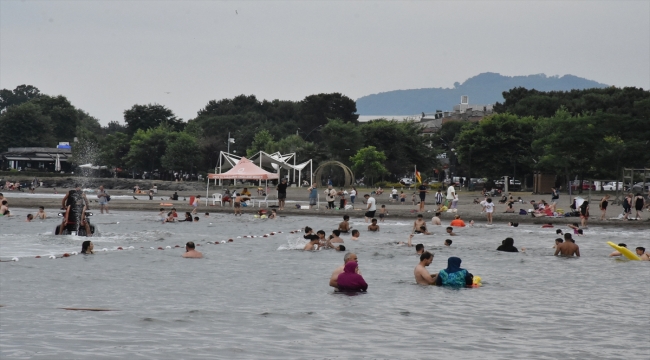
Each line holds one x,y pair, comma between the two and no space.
522,212
108,198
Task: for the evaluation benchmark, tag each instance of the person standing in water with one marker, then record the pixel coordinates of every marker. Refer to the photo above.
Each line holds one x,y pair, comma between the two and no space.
489,209
422,276
103,199
87,247
454,275
350,280
190,252
568,248
339,270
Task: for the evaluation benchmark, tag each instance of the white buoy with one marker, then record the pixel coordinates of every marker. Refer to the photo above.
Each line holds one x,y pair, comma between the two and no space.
168,247
118,222
238,237
15,259
52,257
152,248
104,249
131,248
223,241
73,253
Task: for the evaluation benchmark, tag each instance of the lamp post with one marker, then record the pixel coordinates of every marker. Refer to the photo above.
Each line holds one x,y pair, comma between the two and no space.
230,140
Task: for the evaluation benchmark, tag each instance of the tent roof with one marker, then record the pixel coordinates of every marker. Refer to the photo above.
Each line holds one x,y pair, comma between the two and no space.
245,169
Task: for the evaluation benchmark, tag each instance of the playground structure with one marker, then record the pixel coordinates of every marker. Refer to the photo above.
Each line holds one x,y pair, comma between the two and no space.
275,162
349,175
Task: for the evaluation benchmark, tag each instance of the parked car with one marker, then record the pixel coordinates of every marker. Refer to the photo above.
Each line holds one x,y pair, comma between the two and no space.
611,186
641,187
586,185
407,181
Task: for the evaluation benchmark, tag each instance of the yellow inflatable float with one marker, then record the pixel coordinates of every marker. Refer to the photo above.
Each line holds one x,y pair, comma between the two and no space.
624,251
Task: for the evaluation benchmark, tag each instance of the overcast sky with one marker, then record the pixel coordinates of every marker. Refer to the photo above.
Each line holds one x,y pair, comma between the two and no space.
106,56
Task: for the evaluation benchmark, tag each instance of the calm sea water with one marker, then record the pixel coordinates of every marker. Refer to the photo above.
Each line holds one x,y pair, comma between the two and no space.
261,298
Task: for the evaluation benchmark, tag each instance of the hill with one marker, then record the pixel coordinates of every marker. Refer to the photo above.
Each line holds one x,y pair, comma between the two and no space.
485,88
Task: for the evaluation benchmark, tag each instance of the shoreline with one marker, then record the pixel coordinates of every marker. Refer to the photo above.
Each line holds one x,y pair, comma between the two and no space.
20,207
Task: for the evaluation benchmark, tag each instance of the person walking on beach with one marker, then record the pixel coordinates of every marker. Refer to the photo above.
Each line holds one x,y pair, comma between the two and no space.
451,194
584,213
330,194
439,199
639,201
190,251
603,206
103,199
313,195
422,276
282,193
627,206
353,195
341,195
424,190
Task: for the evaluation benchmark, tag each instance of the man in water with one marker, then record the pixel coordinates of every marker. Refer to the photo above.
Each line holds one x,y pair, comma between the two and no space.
448,242
558,241
282,193
373,226
568,247
640,251
422,276
355,234
419,249
41,213
457,221
436,219
616,253
450,231
190,252
344,226
339,270
314,240
371,208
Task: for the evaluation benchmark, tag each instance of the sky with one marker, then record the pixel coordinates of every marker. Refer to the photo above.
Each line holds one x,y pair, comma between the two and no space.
106,56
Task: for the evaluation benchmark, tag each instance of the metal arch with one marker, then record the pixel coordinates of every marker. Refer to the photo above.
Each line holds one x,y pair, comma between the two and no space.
349,175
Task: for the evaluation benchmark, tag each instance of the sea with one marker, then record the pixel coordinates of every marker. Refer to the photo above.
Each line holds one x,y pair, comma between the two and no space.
262,297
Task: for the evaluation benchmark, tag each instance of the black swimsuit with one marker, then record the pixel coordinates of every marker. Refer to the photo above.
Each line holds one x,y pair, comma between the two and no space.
604,206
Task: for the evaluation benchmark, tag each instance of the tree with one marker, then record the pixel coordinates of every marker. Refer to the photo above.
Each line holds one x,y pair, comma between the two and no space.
369,162
64,116
341,139
23,126
183,153
148,146
315,110
21,94
113,150
144,117
498,146
263,141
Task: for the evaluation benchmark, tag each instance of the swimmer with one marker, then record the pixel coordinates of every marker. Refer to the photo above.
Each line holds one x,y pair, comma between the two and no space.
314,240
575,227
580,232
30,217
508,245
457,221
188,217
339,248
334,239
237,204
418,223
321,238
196,219
471,223
190,252
513,224
206,214
344,226
273,215
454,275
616,253
422,276
568,248
87,247
558,241
373,226
355,234
350,279
170,217
448,242
382,213
41,213
423,231
435,220
419,249
558,232
640,251
161,215
339,270
308,231
450,231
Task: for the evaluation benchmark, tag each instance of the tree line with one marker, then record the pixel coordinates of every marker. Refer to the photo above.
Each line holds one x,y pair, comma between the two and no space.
153,139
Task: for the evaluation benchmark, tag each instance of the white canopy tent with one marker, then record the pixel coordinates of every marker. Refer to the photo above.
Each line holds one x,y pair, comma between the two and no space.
275,161
243,170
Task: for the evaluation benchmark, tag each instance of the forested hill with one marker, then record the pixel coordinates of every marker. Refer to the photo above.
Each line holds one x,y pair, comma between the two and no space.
484,88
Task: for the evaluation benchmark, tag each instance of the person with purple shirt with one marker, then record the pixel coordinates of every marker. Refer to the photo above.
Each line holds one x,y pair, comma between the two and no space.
349,280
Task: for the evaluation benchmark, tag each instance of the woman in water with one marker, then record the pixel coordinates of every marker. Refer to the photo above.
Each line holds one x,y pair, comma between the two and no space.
350,280
603,206
508,245
453,275
87,247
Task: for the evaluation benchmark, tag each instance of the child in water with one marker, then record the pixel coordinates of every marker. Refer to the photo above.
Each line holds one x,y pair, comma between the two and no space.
373,226
382,213
355,234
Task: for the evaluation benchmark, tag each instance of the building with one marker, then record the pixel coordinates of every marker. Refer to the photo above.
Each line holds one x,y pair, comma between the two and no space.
464,111
36,159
